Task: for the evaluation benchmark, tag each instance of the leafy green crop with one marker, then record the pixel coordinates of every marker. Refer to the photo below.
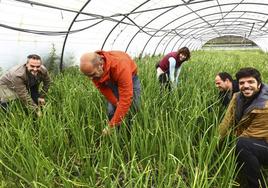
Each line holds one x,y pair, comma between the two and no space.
173,141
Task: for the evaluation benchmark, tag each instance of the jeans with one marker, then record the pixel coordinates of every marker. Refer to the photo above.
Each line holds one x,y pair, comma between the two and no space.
34,93
164,82
136,97
4,106
252,154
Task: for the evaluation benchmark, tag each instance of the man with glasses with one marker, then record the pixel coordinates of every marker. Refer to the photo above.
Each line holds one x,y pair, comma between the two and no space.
22,81
114,74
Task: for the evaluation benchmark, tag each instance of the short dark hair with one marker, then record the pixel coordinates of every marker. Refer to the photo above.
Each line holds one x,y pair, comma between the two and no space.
34,56
185,51
225,75
249,72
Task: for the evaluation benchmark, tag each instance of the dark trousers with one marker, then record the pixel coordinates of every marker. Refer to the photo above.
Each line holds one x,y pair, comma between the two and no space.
136,97
164,82
4,105
34,95
252,154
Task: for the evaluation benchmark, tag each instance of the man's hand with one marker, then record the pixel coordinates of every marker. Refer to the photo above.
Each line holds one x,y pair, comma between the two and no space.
39,113
41,101
107,130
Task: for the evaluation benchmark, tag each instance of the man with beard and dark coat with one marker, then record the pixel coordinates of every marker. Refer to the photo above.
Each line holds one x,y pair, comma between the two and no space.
227,87
247,116
22,82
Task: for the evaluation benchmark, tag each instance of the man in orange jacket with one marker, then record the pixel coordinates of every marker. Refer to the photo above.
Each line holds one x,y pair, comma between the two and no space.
114,73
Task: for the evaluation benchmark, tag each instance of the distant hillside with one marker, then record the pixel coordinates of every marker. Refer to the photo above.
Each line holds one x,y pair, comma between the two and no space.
225,40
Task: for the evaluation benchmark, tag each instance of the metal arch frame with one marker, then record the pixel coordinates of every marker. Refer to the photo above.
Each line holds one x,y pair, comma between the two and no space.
159,15
208,27
146,25
219,19
140,12
234,34
241,28
215,36
192,13
166,11
67,34
125,16
70,26
233,28
174,21
224,34
188,34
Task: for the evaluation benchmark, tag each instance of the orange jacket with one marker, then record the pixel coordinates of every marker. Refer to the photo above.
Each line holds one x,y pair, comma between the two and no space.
119,68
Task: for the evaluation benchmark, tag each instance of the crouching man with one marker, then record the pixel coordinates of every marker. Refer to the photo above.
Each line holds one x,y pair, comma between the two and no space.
22,82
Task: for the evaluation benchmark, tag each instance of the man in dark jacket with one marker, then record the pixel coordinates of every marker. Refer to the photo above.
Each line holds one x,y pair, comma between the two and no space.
227,87
22,81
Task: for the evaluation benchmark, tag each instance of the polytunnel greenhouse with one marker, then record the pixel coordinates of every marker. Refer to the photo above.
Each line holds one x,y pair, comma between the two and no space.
174,137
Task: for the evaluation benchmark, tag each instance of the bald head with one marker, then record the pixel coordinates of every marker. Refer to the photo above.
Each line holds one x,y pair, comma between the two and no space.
86,62
91,64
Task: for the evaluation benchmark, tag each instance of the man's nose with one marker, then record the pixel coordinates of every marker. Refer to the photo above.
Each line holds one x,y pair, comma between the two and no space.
246,84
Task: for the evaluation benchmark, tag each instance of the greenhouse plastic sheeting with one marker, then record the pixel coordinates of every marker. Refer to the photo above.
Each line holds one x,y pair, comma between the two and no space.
138,27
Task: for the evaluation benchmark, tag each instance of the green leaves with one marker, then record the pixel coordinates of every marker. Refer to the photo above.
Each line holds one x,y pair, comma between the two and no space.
172,143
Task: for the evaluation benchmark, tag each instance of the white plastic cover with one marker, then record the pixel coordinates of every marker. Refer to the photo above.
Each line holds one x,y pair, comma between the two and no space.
139,27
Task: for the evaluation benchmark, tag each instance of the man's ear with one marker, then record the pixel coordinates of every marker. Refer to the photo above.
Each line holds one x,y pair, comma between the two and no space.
259,86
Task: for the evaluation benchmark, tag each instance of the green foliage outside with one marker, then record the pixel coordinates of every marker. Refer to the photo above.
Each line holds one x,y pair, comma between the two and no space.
173,143
52,61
